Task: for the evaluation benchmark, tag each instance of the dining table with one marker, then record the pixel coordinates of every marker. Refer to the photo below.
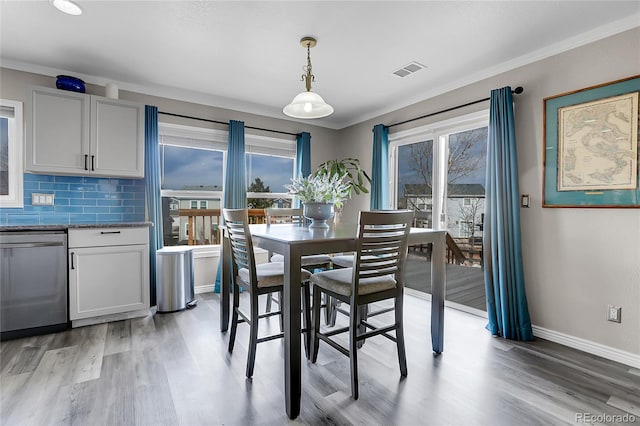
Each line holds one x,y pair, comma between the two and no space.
294,241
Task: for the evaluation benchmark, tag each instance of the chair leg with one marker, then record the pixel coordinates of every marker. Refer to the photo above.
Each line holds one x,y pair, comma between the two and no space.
253,339
268,307
332,308
363,313
353,349
281,316
315,329
234,318
306,318
402,355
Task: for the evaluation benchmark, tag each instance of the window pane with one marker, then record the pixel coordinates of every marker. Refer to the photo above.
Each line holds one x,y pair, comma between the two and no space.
191,168
4,156
181,227
415,169
273,172
465,182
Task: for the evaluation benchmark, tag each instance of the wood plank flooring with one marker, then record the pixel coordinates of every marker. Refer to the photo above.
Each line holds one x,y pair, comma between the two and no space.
174,369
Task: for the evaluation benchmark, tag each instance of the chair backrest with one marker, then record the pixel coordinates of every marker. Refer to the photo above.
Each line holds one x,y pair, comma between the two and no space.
285,215
381,247
242,256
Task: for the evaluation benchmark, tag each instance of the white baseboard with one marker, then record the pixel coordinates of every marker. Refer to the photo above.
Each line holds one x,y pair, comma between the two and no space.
203,289
588,346
113,317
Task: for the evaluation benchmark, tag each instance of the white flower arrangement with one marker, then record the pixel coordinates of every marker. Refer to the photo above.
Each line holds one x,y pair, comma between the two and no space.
320,189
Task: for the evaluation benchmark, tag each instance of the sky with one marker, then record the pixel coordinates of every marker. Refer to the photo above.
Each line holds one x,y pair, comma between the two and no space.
192,168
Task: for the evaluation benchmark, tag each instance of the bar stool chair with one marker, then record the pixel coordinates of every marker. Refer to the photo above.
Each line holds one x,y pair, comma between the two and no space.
256,280
377,274
310,263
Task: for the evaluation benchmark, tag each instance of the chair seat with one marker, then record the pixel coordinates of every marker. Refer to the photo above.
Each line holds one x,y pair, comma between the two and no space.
343,260
339,281
270,274
317,259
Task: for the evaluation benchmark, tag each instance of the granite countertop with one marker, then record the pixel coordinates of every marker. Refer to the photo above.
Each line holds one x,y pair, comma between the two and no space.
63,227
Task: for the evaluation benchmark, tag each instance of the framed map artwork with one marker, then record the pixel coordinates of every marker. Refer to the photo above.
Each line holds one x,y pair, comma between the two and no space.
591,147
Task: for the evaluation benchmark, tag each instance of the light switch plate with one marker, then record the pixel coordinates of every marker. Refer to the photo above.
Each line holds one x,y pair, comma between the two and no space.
38,199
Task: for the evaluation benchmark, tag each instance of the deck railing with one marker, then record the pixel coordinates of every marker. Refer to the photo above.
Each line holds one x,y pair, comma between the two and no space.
210,220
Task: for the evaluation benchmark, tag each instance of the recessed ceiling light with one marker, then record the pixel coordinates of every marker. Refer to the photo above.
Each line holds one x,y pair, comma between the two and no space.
67,6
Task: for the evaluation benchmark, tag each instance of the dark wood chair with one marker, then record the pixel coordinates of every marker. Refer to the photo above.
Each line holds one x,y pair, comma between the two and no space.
257,280
377,275
310,263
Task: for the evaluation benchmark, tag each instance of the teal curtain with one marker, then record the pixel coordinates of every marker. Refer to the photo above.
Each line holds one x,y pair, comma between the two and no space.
303,159
380,169
503,271
152,188
235,185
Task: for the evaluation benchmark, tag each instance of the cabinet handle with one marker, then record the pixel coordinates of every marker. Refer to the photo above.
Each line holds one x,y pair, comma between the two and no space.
86,158
72,265
109,232
93,168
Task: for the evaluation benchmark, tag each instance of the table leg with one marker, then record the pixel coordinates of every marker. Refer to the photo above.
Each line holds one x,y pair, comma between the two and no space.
292,330
225,283
438,283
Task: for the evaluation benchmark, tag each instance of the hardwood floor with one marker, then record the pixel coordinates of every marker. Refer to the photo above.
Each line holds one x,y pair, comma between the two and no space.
174,369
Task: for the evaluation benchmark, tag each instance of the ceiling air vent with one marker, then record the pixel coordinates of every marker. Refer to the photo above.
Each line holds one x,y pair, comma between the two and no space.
409,69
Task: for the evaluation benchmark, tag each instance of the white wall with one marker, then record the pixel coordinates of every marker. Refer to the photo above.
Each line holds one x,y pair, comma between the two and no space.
576,260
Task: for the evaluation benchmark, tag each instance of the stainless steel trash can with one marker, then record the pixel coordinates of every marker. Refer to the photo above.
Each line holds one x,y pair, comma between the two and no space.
174,283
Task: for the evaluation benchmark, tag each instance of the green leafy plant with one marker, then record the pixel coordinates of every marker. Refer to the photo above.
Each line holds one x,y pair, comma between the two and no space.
352,174
320,189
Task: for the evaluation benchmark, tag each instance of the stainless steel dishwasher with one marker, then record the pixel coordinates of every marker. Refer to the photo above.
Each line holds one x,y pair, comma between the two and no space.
33,283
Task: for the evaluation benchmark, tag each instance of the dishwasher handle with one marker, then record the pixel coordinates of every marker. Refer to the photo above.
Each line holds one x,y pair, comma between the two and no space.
31,245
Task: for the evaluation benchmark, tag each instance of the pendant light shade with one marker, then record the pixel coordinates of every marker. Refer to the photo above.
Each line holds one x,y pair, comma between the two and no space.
67,6
308,104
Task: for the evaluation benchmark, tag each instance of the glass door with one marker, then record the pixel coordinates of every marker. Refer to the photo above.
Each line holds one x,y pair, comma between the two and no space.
439,173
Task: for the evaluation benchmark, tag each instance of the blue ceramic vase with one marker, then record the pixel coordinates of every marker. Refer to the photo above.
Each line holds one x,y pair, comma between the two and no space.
66,82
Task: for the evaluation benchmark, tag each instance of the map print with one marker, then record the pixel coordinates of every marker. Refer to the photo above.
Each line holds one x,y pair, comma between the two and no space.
598,145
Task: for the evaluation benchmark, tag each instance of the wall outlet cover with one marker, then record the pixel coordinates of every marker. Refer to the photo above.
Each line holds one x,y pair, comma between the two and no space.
614,313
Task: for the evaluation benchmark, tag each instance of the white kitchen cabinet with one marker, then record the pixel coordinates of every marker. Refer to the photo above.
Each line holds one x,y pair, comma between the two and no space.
108,271
73,133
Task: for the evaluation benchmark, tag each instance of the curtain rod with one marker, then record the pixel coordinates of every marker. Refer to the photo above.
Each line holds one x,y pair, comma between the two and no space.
517,91
226,123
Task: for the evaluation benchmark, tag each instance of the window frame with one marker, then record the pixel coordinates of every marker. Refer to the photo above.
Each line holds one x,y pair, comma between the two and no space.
439,133
15,196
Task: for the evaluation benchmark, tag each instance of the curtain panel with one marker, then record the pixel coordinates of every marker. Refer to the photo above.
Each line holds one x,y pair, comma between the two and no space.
152,187
503,268
235,185
380,169
303,159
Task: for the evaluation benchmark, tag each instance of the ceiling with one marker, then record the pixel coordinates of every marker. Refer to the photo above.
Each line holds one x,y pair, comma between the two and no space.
246,55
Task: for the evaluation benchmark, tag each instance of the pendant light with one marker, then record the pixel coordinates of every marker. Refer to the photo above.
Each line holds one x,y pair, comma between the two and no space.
67,6
308,104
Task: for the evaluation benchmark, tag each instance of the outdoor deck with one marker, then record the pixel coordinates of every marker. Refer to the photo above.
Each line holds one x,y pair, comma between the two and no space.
465,285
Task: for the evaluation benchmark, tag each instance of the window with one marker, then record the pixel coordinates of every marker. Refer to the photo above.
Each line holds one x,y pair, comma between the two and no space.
193,162
11,142
439,169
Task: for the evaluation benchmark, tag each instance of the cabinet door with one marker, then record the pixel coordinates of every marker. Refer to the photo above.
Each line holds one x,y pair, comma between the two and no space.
108,280
117,138
57,132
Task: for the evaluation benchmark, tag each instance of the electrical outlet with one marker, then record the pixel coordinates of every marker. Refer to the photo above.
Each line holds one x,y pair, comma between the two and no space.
614,313
42,199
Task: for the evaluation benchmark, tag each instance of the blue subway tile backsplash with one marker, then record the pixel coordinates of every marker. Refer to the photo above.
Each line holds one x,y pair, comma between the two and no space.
79,199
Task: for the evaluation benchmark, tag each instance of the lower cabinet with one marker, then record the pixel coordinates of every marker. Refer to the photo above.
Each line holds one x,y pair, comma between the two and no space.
108,271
